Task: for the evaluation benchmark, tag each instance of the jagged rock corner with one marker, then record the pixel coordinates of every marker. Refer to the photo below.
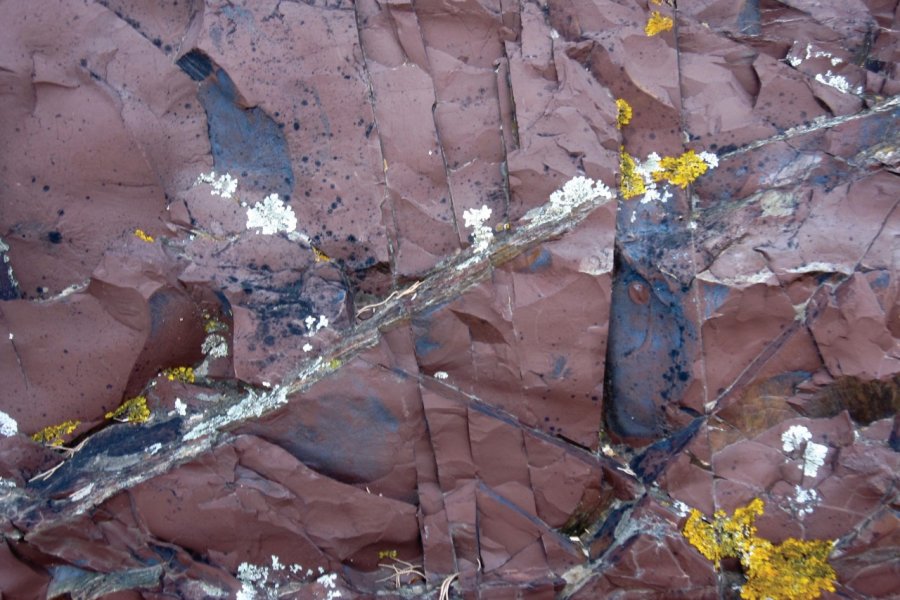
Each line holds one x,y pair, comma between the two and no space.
320,299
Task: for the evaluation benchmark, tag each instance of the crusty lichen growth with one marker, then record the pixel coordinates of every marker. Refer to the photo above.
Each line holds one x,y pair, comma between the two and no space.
793,570
724,536
182,374
319,255
632,183
657,24
211,324
134,410
144,237
681,170
623,113
53,434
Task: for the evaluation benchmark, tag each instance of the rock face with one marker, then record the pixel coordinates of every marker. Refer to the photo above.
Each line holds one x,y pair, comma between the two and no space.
380,403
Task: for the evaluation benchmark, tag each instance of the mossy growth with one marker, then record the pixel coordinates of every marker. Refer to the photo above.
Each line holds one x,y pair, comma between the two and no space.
53,434
793,570
182,374
134,410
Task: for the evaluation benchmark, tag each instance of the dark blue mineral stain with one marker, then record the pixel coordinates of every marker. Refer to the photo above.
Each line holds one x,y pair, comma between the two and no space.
647,365
245,141
654,459
651,341
349,438
749,18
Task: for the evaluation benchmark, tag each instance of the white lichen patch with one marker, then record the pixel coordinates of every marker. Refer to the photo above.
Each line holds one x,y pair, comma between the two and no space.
813,457
4,249
804,501
475,219
251,406
794,438
645,169
271,215
8,425
314,325
215,346
575,193
711,160
809,52
681,509
838,82
251,578
273,582
328,582
222,185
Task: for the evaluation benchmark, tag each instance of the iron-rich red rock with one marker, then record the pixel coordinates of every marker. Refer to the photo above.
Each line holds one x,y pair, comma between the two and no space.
376,408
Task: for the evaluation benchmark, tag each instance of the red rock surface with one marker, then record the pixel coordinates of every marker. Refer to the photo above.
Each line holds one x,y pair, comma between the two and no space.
378,409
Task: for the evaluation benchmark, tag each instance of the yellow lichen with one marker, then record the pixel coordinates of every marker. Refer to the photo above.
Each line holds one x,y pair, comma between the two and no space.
320,256
657,24
632,183
182,374
623,113
53,434
680,170
795,569
133,411
211,325
139,234
792,570
723,536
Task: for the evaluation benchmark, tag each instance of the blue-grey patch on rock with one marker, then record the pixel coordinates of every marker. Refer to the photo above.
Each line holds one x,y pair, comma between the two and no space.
245,141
